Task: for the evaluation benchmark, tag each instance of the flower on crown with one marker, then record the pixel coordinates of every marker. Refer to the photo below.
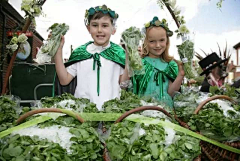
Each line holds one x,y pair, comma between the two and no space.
156,22
104,9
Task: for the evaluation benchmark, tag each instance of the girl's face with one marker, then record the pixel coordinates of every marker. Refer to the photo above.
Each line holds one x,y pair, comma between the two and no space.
156,41
101,30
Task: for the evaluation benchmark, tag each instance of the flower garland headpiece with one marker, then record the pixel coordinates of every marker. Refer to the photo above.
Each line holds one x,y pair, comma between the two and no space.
104,9
156,22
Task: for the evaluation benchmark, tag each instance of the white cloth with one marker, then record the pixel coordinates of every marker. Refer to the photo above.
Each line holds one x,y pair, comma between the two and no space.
87,78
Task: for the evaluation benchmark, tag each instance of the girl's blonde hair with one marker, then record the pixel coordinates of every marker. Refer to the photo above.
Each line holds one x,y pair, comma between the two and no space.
145,51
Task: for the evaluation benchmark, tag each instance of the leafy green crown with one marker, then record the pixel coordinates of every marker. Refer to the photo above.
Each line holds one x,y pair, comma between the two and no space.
104,9
156,22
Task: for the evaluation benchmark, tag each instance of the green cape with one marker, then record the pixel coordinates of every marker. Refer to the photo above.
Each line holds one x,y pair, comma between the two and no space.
114,53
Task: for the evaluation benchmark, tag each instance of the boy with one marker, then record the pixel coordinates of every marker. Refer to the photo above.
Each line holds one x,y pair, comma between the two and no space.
98,65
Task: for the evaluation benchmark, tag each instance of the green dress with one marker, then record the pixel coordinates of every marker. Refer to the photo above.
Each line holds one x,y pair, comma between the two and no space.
155,81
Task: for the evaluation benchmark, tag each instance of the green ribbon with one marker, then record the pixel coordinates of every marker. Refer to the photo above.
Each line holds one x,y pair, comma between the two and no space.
96,59
159,79
24,125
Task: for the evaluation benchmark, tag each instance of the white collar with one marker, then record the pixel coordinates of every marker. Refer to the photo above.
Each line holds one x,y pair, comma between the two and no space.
92,47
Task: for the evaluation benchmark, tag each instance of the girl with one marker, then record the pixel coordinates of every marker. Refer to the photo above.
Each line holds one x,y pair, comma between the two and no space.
162,76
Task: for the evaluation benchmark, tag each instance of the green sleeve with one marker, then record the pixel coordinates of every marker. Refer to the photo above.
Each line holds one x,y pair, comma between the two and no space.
171,70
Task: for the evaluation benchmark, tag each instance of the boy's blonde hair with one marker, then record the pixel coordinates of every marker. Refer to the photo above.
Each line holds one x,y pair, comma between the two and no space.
145,51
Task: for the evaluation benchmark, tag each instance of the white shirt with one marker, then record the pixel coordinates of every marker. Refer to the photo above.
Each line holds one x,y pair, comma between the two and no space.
87,78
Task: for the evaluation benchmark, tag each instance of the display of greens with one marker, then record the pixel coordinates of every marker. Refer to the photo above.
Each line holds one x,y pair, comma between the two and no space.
85,144
227,90
8,113
21,148
72,140
68,101
49,48
131,38
83,139
186,54
133,141
185,102
216,120
129,101
212,122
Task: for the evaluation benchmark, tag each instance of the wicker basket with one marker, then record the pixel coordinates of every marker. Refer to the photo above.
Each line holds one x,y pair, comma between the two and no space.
213,152
44,110
143,108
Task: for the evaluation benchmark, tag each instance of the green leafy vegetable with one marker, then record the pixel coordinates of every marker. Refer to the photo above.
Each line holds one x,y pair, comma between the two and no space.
50,47
130,141
228,91
186,53
131,38
212,122
68,101
57,30
8,113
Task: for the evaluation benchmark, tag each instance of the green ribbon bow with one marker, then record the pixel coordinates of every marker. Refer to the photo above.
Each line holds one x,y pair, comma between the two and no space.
96,59
159,79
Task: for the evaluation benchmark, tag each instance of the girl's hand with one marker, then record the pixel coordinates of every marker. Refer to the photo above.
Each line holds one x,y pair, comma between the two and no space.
180,67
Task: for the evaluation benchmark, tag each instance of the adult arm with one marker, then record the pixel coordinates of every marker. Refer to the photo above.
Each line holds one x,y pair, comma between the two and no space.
63,76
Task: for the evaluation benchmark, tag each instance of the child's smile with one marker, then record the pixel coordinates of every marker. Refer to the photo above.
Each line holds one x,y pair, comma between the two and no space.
101,30
157,41
100,36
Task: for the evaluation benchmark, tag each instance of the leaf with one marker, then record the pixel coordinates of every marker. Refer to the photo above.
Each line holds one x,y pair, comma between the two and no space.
227,131
188,145
154,150
20,158
163,155
13,152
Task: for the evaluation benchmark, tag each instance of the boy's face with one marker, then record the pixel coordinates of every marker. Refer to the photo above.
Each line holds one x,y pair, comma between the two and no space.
157,41
101,30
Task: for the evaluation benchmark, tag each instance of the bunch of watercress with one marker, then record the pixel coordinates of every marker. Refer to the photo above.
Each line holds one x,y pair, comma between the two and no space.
50,47
186,53
131,38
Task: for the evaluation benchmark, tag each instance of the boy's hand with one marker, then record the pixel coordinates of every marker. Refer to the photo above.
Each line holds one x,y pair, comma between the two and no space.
59,51
62,42
49,35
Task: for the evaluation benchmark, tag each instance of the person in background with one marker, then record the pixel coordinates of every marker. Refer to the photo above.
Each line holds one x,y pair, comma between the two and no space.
162,77
99,64
215,71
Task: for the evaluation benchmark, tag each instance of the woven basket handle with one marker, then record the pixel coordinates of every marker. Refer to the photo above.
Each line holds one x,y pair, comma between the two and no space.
143,108
200,106
43,110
